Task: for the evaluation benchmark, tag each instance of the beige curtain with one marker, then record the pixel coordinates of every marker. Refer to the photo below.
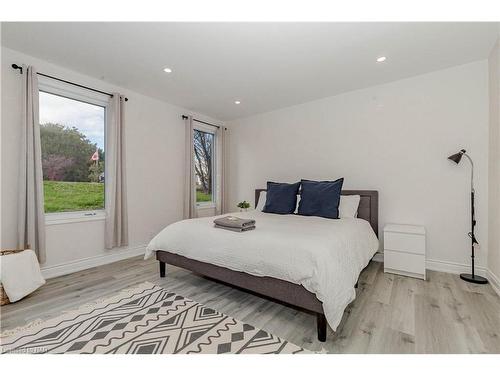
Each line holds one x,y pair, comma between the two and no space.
116,227
189,182
220,200
31,215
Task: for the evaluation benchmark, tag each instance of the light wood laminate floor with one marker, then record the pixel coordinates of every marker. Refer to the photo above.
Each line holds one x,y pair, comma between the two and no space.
391,314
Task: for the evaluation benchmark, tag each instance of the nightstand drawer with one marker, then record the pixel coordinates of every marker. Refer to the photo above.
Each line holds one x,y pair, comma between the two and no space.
404,263
412,243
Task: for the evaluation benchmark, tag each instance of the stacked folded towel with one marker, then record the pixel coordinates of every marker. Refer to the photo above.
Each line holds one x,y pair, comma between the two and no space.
234,223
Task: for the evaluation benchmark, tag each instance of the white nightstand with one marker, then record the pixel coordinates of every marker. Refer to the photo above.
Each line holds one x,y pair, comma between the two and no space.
404,250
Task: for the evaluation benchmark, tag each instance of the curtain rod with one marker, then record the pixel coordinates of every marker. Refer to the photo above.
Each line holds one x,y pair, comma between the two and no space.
15,66
184,117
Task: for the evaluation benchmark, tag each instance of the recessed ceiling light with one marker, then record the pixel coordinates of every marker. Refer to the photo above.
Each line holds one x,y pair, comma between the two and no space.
237,102
167,70
381,59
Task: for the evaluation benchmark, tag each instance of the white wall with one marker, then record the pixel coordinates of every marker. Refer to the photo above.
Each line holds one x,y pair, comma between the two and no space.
1,177
155,167
494,166
394,138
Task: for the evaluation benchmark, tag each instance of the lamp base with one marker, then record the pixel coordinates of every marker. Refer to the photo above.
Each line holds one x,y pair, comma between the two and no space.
473,279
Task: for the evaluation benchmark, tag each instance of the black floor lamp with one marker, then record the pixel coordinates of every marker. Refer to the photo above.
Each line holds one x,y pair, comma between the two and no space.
470,277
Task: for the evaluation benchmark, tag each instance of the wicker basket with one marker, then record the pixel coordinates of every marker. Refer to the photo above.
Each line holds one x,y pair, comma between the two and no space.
4,300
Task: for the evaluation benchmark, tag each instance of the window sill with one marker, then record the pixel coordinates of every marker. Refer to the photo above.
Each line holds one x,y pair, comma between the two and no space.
74,217
205,206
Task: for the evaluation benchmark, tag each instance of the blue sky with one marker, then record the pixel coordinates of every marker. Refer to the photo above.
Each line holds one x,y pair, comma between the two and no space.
88,118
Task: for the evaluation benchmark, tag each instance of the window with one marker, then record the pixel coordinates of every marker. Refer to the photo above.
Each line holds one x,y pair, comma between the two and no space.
72,131
204,166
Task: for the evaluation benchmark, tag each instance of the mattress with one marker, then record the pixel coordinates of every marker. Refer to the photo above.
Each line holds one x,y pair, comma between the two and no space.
325,256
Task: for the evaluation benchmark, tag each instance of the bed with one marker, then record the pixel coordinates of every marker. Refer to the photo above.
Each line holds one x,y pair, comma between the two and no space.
309,262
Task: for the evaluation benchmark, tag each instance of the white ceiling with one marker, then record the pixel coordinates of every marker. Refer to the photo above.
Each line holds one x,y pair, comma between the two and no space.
265,65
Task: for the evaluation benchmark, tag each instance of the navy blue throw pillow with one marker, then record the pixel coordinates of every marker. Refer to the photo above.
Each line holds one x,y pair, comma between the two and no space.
320,198
281,198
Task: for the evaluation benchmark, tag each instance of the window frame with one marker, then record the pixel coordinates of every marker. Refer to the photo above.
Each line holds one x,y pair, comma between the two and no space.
213,131
66,90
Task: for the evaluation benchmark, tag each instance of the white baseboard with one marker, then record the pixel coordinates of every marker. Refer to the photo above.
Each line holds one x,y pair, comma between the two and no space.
452,267
86,263
83,264
455,268
494,281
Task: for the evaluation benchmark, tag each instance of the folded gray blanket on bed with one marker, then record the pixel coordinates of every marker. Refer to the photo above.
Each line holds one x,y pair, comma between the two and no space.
234,222
233,229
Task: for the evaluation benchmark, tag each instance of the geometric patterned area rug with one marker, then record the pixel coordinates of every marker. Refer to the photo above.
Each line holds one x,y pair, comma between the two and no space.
144,320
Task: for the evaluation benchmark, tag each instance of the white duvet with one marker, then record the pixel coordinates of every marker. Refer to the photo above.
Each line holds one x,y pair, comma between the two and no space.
325,256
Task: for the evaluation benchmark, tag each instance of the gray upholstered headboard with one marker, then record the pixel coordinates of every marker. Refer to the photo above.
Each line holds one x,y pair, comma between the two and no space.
368,205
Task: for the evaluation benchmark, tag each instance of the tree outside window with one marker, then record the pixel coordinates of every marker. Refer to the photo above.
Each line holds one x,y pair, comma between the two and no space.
73,158
203,164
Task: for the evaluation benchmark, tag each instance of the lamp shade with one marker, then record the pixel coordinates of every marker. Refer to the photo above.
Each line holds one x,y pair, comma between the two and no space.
457,157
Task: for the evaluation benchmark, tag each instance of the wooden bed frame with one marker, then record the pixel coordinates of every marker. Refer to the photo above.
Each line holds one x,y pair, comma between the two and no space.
283,291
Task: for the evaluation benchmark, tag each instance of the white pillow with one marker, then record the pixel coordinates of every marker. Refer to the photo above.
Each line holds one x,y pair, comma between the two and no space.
348,207
262,201
297,206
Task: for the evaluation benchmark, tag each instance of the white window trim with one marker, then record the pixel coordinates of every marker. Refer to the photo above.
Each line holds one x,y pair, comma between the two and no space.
211,130
56,218
69,91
